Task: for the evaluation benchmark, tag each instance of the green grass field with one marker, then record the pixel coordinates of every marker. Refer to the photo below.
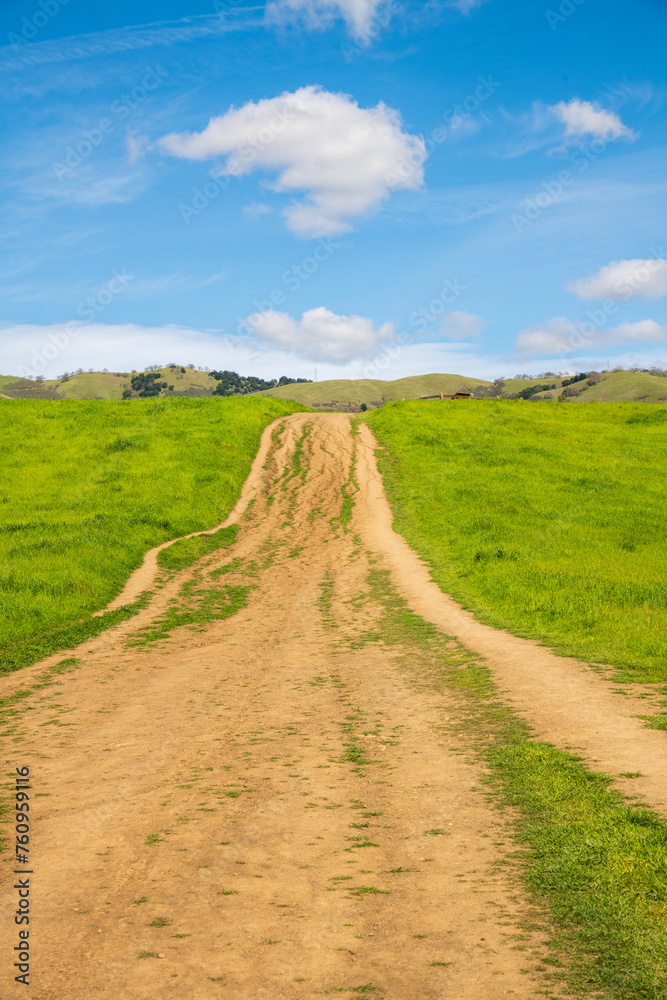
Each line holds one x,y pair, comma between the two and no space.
549,521
87,487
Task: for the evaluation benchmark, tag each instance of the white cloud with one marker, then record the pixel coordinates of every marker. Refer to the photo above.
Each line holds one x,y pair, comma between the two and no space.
645,330
321,334
562,336
552,337
256,209
136,146
359,14
457,325
51,349
624,279
582,118
345,158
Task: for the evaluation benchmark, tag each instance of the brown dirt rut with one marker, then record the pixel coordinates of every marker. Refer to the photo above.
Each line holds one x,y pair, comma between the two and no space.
261,806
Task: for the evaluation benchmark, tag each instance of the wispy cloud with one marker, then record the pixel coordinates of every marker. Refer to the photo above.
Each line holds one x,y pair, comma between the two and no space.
583,119
459,325
256,209
359,14
91,45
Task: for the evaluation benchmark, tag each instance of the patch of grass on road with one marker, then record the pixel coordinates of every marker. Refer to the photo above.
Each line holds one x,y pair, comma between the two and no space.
89,485
187,551
197,607
546,520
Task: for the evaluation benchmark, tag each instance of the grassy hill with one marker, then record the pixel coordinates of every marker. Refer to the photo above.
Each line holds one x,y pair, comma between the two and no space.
349,394
601,387
620,387
373,392
105,385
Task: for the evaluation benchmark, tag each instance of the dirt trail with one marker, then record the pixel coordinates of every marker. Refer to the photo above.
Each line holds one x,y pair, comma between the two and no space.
262,806
567,703
266,805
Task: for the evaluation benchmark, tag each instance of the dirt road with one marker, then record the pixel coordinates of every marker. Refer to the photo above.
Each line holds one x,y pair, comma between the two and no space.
267,805
261,806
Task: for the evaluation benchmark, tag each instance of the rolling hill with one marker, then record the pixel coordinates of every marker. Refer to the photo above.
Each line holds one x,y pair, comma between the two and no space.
350,394
344,393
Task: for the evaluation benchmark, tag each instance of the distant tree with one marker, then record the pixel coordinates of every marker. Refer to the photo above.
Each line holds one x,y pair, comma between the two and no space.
147,384
575,378
127,394
363,407
531,390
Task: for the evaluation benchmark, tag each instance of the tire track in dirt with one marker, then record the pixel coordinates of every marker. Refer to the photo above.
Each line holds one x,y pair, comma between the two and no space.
265,805
566,702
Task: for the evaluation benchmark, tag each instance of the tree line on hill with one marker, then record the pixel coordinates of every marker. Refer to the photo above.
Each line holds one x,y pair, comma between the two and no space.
151,382
232,384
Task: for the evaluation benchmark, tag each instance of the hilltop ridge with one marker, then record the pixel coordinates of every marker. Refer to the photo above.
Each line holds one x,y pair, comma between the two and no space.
349,394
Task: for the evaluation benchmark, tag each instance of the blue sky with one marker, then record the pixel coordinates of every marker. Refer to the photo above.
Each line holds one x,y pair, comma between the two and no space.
363,188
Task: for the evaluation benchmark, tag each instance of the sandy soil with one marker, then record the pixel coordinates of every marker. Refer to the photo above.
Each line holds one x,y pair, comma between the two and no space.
195,799
208,810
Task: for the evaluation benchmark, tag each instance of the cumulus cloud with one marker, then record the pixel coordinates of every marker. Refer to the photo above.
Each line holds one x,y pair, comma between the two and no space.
561,336
457,325
345,158
320,334
358,14
624,279
582,118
